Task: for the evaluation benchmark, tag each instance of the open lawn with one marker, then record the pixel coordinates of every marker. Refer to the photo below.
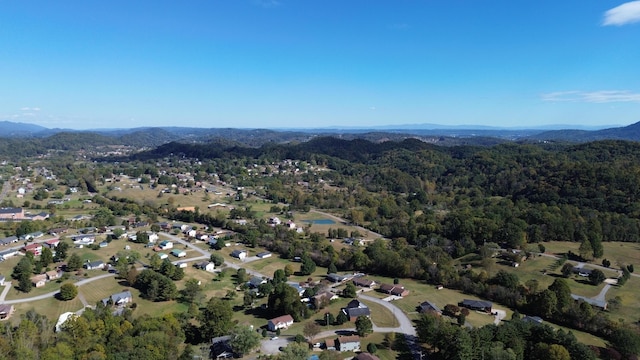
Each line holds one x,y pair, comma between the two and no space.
380,315
616,252
630,301
51,308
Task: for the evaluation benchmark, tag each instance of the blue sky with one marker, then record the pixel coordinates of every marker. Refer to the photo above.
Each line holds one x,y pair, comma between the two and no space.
319,63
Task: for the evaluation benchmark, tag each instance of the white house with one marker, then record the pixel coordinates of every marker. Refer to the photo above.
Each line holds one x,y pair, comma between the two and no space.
206,266
239,254
178,253
163,256
165,245
281,322
153,237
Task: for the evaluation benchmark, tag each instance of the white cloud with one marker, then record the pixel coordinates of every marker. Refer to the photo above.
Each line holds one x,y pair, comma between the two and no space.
604,96
26,108
626,13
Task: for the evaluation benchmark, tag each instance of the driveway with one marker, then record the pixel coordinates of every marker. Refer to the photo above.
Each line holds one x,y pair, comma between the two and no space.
406,326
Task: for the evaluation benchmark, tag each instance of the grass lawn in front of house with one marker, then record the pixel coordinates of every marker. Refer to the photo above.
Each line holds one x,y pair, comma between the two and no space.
51,307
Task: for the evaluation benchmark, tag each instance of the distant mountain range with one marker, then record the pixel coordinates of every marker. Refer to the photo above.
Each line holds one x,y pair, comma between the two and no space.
447,135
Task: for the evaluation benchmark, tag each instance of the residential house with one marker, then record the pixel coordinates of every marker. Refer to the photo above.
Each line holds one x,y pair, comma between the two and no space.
119,299
83,239
163,256
165,245
298,288
11,213
263,255
281,322
354,309
52,243
35,249
205,265
178,253
94,265
9,240
8,253
190,232
181,264
221,348
53,275
336,278
323,298
256,281
330,344
39,280
532,319
602,305
153,237
2,279
239,254
275,221
6,311
362,282
103,244
394,289
581,271
479,305
428,307
348,343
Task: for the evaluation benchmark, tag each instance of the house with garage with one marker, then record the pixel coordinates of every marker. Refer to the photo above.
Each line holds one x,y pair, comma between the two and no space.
394,289
364,282
263,255
165,245
35,249
6,311
427,307
11,213
39,280
348,343
478,305
52,243
281,322
354,309
205,265
53,275
239,254
323,299
94,265
119,299
335,278
178,253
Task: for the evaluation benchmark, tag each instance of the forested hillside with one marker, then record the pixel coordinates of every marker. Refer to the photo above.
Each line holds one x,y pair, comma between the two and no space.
510,193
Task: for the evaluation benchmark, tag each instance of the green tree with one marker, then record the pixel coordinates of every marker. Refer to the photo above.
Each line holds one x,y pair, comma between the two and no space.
308,266
216,259
216,318
332,269
626,341
567,269
243,340
349,290
46,257
61,251
192,292
285,300
341,318
606,263
596,277
279,276
68,291
372,348
364,326
585,250
294,351
288,270
563,294
241,276
74,263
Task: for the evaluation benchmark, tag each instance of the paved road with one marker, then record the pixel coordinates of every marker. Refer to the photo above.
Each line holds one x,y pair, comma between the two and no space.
406,326
602,295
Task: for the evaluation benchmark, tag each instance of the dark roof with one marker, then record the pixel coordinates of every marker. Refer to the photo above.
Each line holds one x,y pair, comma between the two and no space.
429,306
477,304
10,210
355,312
532,319
355,304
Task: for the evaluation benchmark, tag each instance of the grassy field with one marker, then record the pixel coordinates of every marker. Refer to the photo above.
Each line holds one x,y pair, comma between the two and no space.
629,309
616,252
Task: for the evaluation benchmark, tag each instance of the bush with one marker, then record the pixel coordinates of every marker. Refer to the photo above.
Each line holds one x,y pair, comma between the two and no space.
68,291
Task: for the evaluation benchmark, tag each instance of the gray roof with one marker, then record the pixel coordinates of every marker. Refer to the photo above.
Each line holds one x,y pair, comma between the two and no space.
429,306
477,304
